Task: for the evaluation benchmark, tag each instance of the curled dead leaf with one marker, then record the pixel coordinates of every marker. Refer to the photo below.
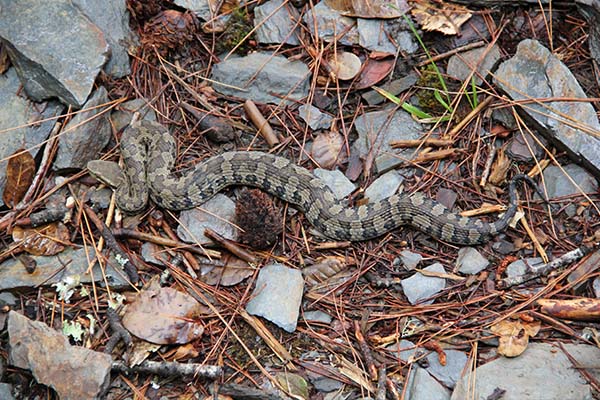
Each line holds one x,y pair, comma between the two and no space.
499,168
344,65
164,316
328,150
374,71
514,335
445,18
45,240
370,9
20,171
234,271
323,269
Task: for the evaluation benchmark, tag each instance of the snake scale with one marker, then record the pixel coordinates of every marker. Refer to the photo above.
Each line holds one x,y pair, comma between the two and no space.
148,152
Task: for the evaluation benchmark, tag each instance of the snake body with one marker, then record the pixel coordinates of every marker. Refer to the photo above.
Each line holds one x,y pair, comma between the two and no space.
148,152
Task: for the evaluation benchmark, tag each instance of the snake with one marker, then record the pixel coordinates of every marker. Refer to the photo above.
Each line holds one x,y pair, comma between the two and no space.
148,153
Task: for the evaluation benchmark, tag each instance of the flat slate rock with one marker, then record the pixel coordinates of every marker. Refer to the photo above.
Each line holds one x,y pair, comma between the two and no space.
75,372
559,185
275,23
480,60
86,134
422,386
330,24
535,73
56,49
419,287
49,270
112,17
377,129
263,78
542,372
16,116
218,214
277,296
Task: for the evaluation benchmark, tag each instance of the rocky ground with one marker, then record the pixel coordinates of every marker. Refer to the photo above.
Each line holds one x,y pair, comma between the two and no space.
240,297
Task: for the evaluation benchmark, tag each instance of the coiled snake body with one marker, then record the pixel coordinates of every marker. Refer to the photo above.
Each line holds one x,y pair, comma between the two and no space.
148,152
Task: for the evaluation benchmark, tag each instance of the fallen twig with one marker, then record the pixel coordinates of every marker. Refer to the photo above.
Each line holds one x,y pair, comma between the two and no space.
119,331
130,233
170,369
263,126
127,262
543,270
231,246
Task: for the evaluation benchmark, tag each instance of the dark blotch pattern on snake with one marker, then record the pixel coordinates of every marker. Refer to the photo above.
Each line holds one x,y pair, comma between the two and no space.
148,152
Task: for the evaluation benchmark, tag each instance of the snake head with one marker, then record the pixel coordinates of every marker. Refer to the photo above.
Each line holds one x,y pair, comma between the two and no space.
107,172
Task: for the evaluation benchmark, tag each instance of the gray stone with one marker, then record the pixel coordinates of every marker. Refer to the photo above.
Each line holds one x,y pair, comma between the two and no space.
421,386
276,22
84,373
377,129
520,267
394,87
503,247
49,270
149,252
542,372
409,259
204,9
535,73
18,128
470,261
419,287
6,391
450,373
99,196
314,117
263,78
384,186
558,184
524,147
405,350
122,115
324,384
9,299
446,197
374,34
330,24
112,18
56,50
277,296
217,214
596,287
86,134
317,316
336,181
460,65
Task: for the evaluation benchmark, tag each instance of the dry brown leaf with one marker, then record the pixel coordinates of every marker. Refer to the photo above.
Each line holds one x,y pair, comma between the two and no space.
374,71
344,65
328,150
182,353
19,175
323,269
234,271
514,336
446,20
499,169
164,315
370,9
4,60
45,240
580,309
